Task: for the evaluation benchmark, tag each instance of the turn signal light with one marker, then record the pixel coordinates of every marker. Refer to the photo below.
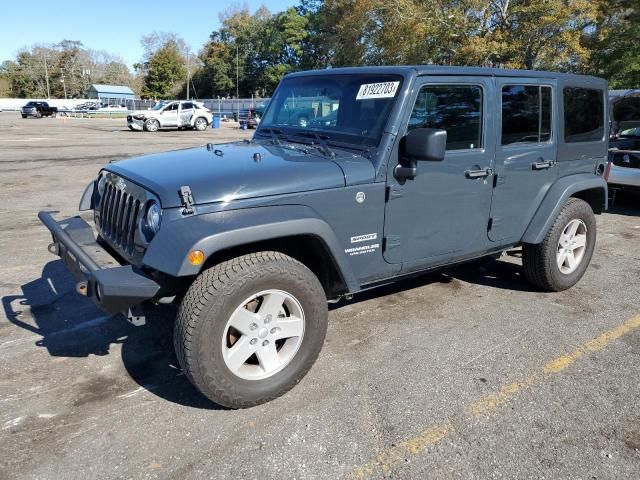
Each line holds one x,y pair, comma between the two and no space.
195,257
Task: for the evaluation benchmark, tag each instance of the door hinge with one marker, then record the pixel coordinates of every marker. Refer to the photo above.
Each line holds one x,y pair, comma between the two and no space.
187,200
391,241
393,191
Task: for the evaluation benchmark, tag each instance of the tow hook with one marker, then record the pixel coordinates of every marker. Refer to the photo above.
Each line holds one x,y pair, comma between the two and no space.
81,288
54,248
135,316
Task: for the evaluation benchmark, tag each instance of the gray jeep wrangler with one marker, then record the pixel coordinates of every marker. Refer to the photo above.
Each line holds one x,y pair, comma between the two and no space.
396,171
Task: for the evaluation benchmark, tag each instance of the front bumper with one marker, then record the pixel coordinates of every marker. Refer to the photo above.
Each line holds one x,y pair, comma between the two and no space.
112,287
135,123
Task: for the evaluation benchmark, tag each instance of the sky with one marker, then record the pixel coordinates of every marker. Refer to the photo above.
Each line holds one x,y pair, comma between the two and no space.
113,25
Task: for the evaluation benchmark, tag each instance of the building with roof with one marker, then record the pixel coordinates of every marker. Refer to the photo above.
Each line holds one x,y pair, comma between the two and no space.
111,92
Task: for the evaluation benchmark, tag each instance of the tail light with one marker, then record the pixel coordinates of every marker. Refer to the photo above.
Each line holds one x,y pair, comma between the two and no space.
607,171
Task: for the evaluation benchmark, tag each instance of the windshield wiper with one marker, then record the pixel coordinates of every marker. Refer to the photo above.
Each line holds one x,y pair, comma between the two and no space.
276,140
320,142
273,133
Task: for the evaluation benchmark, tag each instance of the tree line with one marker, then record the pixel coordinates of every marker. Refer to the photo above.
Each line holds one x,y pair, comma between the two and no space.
249,53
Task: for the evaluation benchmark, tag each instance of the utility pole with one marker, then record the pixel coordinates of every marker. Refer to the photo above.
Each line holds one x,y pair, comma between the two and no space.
188,76
238,80
64,86
46,76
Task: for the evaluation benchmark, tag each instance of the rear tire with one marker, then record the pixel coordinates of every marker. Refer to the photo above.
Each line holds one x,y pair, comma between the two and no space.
274,350
560,261
200,124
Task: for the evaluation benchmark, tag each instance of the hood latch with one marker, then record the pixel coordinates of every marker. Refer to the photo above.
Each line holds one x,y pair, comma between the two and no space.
187,200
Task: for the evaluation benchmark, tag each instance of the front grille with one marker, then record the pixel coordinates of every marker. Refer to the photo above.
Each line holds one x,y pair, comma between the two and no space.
120,215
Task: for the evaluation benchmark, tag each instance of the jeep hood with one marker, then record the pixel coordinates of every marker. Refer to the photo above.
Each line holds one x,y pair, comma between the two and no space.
233,171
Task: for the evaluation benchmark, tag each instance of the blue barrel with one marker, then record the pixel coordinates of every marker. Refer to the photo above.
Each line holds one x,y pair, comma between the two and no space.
216,122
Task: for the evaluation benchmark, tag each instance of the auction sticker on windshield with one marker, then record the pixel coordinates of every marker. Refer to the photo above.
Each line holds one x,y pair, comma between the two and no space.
377,90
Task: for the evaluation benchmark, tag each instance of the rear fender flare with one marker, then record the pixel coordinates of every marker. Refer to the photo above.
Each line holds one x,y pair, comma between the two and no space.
556,197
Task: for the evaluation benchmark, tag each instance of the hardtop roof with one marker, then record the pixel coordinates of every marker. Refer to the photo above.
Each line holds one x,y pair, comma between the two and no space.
446,70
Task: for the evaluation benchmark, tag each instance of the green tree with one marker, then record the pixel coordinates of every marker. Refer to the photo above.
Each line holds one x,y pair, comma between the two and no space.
614,44
165,71
259,49
216,76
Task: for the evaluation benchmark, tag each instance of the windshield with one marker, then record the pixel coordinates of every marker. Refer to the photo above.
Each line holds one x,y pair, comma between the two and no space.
342,107
158,105
631,132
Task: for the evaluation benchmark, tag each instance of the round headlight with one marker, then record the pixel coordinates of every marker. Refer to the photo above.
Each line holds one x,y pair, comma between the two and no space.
153,217
101,183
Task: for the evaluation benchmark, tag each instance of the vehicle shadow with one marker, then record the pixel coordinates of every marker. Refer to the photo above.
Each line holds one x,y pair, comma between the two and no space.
70,325
490,272
625,203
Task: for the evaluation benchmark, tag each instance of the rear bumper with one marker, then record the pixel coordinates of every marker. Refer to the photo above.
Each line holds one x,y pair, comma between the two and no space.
112,287
624,177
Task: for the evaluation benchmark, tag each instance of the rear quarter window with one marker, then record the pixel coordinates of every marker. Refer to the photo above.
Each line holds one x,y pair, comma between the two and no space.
583,114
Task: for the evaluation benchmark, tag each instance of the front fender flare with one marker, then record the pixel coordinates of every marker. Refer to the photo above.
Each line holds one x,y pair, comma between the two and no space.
214,232
555,199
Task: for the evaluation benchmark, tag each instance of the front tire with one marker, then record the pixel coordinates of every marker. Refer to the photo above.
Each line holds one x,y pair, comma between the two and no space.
560,261
250,328
151,125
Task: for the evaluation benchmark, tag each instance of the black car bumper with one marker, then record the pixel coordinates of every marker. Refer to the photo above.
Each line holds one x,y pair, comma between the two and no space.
113,287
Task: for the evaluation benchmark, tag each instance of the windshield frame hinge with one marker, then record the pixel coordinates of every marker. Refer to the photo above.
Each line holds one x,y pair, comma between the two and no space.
186,197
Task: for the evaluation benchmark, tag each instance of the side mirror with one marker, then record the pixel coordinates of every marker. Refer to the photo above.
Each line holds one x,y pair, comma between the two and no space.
427,144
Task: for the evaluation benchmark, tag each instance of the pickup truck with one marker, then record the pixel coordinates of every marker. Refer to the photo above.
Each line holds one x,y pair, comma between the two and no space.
39,109
398,171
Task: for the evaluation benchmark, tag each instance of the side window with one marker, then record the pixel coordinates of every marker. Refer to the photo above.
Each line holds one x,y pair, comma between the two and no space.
173,106
583,115
526,114
187,105
454,108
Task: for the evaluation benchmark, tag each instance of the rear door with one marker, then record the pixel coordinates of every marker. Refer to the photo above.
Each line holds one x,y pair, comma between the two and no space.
185,113
525,161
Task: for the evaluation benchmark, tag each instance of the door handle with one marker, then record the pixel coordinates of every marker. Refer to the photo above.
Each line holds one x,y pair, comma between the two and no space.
543,164
481,173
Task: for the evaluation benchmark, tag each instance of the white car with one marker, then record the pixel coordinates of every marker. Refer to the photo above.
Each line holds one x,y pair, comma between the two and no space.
171,114
112,108
623,170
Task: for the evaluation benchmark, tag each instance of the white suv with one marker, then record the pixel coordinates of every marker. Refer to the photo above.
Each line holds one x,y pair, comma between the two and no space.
172,114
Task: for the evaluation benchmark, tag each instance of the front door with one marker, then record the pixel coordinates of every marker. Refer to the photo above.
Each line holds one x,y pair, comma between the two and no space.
169,117
525,154
444,211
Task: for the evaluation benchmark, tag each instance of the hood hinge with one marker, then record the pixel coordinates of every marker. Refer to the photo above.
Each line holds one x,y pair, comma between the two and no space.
187,200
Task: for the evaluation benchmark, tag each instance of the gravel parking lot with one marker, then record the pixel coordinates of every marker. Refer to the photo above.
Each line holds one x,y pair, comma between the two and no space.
465,373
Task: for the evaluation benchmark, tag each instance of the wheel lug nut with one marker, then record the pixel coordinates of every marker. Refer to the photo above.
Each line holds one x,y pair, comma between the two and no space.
253,341
253,326
267,319
265,343
275,330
